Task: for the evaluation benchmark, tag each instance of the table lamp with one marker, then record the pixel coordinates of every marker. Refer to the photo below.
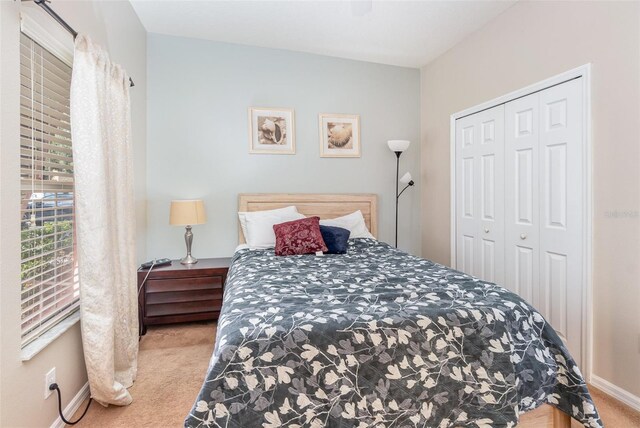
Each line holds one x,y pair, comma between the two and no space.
187,213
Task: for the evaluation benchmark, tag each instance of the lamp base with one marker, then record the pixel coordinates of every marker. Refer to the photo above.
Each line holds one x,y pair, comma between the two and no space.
188,239
189,260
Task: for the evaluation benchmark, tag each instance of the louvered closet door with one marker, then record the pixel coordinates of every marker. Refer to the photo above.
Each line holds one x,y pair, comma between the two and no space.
479,201
521,197
561,211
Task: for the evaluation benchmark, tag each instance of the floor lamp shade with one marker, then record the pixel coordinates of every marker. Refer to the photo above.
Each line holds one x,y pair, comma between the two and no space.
398,145
187,212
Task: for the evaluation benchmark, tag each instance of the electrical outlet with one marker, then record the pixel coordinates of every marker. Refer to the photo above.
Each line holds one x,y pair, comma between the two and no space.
49,378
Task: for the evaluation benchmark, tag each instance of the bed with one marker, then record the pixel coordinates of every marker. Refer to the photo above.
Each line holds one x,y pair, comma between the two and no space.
377,337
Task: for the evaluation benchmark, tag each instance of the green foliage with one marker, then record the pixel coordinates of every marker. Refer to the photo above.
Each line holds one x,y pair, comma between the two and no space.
45,247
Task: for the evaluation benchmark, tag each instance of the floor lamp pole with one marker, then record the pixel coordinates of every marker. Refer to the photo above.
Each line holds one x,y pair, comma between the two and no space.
397,178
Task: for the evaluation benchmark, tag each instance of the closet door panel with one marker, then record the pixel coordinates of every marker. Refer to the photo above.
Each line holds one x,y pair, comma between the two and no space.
561,210
524,185
554,290
521,196
480,186
488,201
491,153
467,249
524,266
488,189
466,197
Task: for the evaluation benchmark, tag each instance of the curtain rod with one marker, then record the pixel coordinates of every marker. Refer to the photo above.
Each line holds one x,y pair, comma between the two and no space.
43,4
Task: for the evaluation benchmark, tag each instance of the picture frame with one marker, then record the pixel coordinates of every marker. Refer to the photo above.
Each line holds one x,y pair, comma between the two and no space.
339,135
272,131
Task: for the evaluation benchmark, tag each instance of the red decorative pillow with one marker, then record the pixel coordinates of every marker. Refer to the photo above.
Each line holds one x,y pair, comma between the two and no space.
299,237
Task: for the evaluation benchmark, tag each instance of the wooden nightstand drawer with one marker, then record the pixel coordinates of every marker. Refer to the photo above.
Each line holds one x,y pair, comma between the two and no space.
183,296
182,284
182,293
183,308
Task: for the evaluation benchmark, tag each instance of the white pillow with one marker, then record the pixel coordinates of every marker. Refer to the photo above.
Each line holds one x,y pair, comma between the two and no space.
354,222
258,230
242,215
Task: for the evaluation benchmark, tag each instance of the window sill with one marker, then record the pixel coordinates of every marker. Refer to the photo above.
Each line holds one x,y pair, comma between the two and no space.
34,348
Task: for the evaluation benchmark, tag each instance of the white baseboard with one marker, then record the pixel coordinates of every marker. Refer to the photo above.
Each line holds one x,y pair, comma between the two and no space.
73,406
616,392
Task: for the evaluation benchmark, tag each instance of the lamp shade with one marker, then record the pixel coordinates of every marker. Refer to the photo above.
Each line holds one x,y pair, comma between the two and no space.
187,212
398,145
406,179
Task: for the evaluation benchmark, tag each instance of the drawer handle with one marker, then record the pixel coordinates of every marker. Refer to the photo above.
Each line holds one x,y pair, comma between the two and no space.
486,230
523,236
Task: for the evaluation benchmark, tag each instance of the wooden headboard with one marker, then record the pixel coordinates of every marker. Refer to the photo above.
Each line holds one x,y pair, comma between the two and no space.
323,205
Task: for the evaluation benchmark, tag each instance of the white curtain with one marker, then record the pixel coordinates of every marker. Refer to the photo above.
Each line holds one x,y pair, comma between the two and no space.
105,229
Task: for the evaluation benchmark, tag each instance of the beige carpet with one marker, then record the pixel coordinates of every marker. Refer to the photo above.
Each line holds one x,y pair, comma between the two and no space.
172,365
171,368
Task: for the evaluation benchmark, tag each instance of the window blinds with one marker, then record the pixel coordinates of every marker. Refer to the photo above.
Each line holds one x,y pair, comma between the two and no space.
49,277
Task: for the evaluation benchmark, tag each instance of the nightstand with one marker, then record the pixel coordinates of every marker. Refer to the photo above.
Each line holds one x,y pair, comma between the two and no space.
182,293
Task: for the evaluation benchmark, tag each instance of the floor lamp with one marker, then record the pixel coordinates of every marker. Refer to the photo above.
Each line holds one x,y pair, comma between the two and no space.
399,146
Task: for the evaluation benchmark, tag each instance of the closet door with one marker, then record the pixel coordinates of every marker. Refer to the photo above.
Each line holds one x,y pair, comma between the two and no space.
521,196
544,206
479,201
562,211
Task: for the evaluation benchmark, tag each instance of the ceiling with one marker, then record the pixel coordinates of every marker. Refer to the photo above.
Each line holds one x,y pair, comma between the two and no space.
404,33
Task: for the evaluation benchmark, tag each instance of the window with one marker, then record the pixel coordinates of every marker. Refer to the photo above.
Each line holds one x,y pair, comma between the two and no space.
49,276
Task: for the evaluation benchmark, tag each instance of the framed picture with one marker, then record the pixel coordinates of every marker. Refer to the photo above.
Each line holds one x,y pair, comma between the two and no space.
272,131
339,136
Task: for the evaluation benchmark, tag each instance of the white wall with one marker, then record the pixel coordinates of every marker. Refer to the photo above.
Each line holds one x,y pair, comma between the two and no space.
199,93
115,26
530,42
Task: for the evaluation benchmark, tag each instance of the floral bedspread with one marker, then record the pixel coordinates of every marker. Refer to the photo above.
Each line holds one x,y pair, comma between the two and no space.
379,338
